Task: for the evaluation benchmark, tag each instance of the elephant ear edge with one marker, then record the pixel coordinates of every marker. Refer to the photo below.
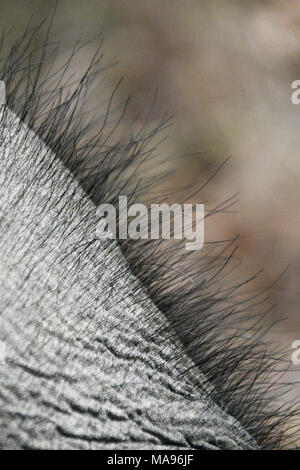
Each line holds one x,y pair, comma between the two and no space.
236,364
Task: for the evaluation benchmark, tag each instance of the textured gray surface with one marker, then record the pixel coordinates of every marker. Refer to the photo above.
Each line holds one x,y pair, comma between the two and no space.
89,363
2,92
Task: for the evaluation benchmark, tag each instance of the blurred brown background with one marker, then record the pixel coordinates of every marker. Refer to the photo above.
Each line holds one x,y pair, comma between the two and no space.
224,70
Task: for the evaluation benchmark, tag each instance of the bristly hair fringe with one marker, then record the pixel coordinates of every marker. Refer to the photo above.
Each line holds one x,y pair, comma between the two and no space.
220,332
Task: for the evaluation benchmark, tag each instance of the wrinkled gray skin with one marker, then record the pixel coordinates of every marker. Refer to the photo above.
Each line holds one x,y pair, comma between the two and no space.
89,364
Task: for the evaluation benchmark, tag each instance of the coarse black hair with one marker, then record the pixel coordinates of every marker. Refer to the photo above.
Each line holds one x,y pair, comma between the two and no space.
222,332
